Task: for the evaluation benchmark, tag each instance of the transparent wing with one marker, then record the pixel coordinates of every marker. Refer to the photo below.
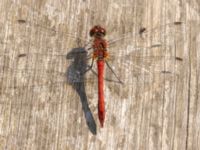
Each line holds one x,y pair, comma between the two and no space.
141,63
130,68
148,51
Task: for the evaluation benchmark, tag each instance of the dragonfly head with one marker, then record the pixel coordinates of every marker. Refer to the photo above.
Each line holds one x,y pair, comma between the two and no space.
97,31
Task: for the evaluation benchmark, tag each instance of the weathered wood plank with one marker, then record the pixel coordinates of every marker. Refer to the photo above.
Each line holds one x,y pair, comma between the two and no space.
40,111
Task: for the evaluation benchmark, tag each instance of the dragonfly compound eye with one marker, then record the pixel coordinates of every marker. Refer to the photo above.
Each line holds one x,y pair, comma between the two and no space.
103,31
97,30
92,32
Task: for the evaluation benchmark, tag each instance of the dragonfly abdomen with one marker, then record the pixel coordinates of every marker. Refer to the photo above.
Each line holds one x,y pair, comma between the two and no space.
101,102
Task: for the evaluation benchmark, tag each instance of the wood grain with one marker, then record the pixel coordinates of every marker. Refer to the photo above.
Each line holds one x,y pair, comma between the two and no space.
40,111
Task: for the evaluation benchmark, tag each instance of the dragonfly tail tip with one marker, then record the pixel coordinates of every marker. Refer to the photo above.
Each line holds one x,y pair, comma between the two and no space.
101,123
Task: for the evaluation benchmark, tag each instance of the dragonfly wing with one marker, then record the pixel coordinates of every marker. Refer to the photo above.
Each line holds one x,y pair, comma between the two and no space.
44,55
52,29
141,73
125,63
47,69
146,52
145,34
143,63
46,37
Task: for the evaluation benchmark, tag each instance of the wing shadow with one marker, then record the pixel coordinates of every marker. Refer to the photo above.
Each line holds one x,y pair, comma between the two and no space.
75,78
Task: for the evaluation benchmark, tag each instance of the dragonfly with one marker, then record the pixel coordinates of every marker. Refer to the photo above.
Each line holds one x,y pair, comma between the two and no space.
139,60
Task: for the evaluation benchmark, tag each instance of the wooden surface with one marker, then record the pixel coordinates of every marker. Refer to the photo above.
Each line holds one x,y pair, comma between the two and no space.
162,113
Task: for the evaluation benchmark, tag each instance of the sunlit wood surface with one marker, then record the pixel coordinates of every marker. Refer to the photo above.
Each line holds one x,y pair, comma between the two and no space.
38,111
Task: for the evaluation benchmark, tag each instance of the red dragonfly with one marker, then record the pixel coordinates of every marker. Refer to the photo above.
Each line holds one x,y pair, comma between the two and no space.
101,55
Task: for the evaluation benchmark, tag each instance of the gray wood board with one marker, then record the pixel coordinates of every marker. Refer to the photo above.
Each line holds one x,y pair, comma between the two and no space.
40,110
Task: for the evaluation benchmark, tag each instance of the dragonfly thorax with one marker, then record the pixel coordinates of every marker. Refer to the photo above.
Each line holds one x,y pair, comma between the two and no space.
100,48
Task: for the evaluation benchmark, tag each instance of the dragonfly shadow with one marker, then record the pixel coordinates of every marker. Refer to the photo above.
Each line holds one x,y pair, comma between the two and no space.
75,77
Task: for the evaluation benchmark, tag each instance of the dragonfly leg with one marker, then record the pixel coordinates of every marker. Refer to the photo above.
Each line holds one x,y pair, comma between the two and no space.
109,80
89,67
86,44
113,72
95,73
